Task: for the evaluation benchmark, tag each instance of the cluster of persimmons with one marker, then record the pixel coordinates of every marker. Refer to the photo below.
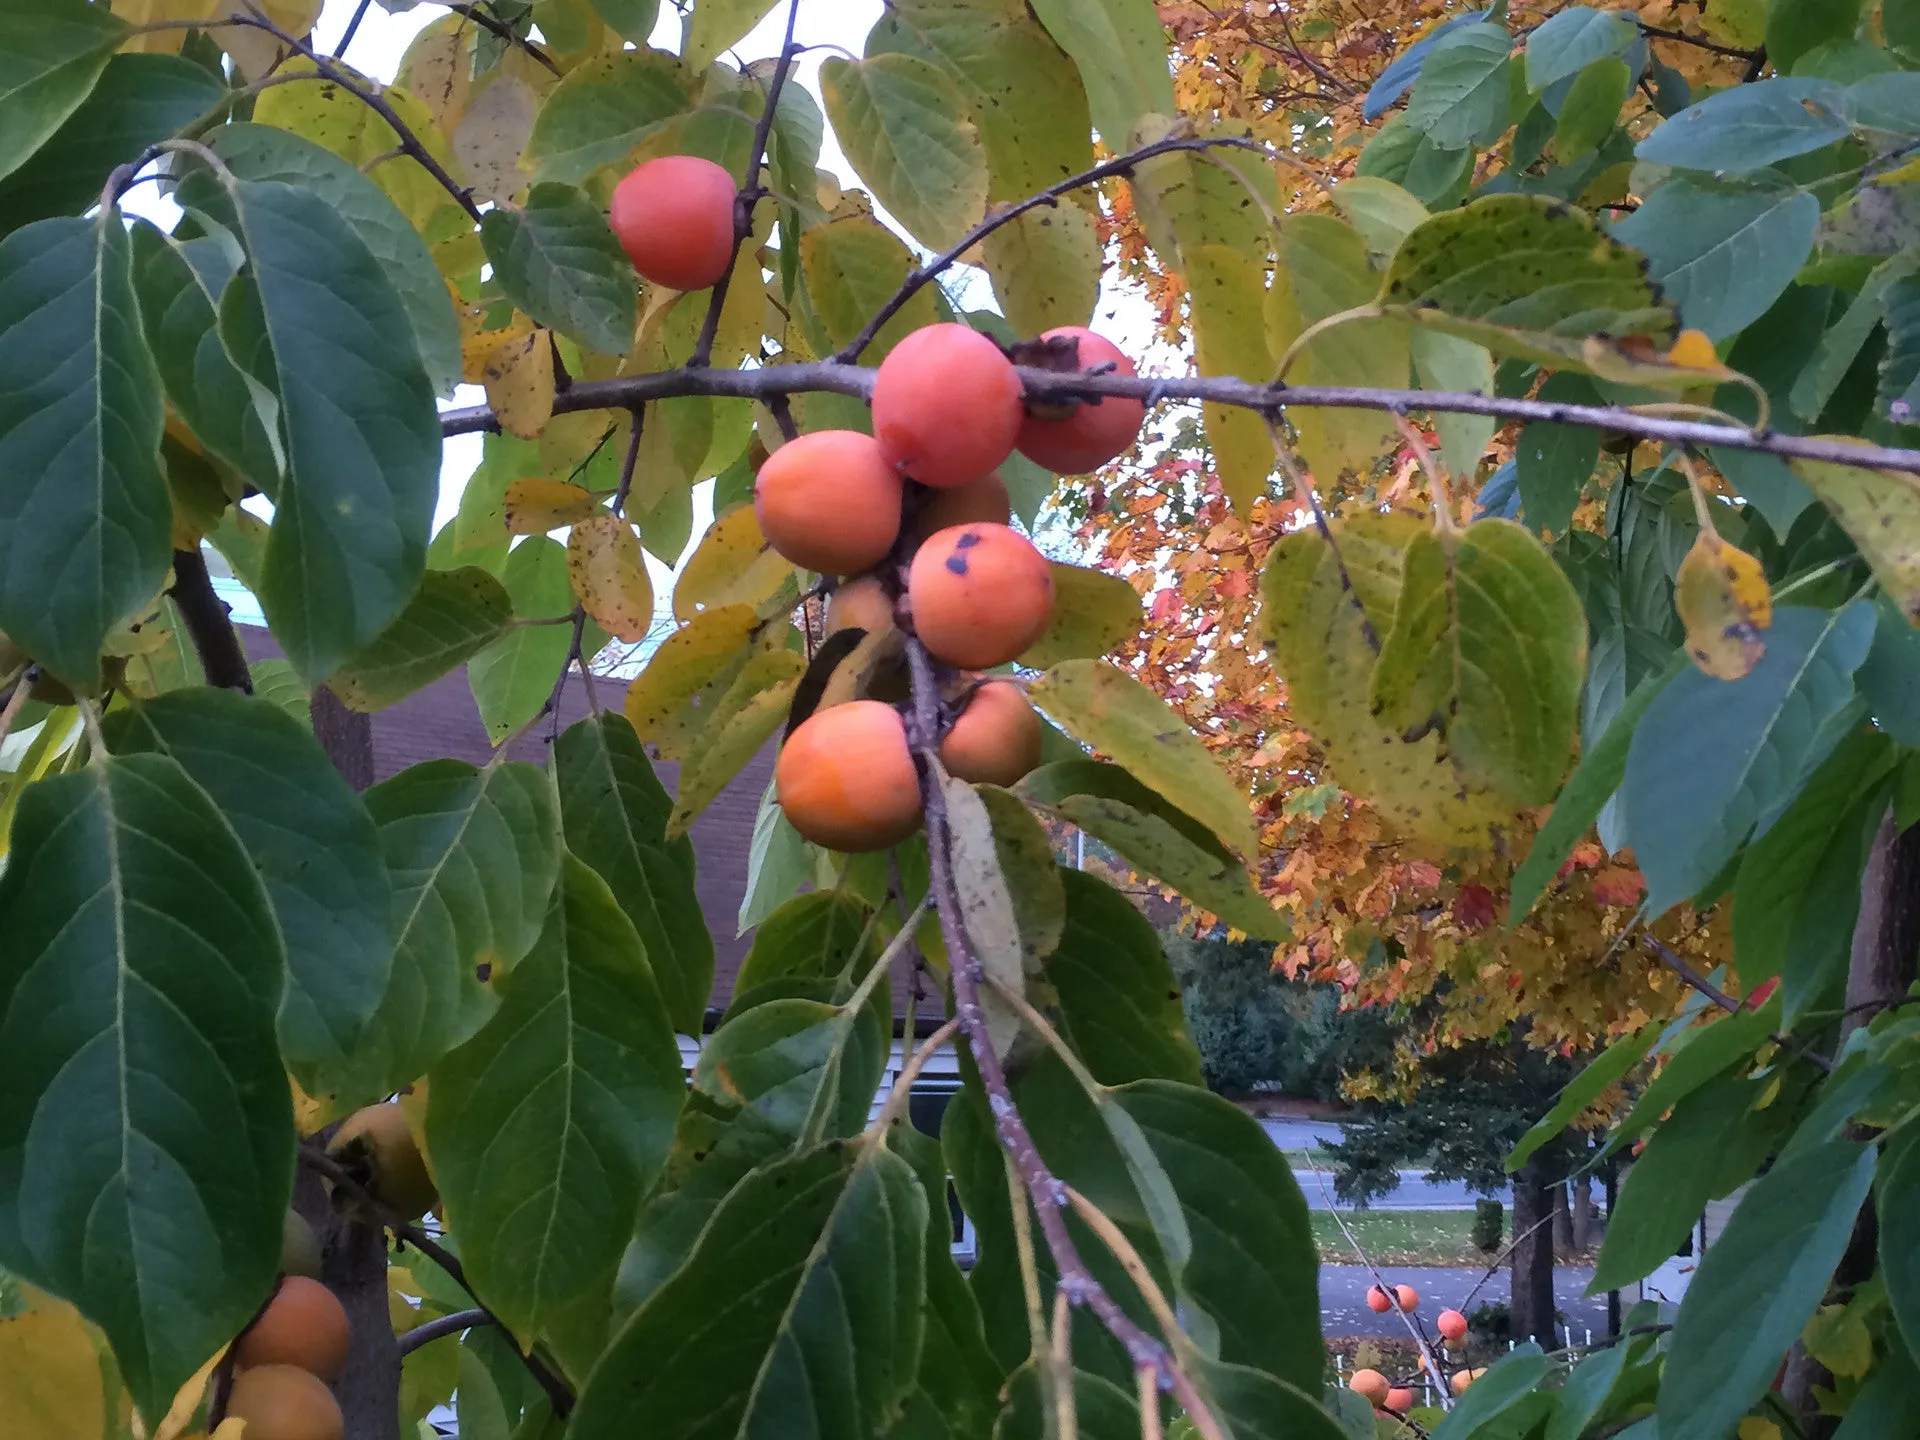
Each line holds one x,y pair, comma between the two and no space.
1377,1389
292,1351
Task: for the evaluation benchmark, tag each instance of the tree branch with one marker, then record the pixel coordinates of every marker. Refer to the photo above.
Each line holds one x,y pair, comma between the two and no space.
505,32
210,624
749,194
1049,386
918,278
443,1325
1695,980
1654,32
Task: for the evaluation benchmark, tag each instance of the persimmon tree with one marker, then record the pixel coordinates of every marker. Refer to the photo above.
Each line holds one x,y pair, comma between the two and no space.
437,1018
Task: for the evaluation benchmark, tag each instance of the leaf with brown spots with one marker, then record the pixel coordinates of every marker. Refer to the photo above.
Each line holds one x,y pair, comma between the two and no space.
609,577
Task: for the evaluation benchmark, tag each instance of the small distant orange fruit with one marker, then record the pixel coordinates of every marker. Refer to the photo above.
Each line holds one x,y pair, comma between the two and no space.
284,1402
1462,1379
861,603
1399,1400
1370,1383
846,780
981,595
979,501
1097,430
1408,1297
302,1325
674,217
1378,1300
829,501
1453,1324
946,405
995,740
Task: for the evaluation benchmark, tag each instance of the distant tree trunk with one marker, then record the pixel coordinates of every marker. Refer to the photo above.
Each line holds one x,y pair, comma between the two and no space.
1885,939
1563,1248
1583,1214
346,736
1531,1300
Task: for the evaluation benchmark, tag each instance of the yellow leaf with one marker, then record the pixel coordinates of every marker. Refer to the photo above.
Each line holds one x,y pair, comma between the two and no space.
609,577
478,343
1226,287
155,12
519,380
187,1399
438,70
492,134
1755,1428
1880,511
535,506
743,721
669,700
1723,599
733,565
255,52
50,1385
1693,349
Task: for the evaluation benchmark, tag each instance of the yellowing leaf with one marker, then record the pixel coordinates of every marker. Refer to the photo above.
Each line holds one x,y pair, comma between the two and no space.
1046,268
50,1385
609,577
255,51
733,565
493,134
477,343
518,375
1724,601
668,700
1755,1428
155,12
1092,612
1226,286
438,70
743,722
1635,362
1880,511
187,1400
535,506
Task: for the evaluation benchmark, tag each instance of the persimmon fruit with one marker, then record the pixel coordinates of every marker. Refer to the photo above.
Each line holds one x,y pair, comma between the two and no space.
302,1325
284,1402
1096,431
979,501
299,1247
1370,1383
861,603
846,780
1452,1324
1378,1300
946,405
1399,1400
829,501
1408,1297
378,1144
981,595
1462,1379
995,739
673,215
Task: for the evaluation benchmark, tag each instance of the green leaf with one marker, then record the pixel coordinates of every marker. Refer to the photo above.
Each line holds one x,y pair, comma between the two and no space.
513,677
1092,612
815,936
779,863
1110,710
1722,257
853,266
556,259
1463,95
1715,760
1749,127
453,615
325,875
1252,1245
55,51
748,714
1841,343
1508,1385
85,519
1101,1409
1525,276
813,1270
261,152
1488,647
1759,1284
906,128
146,1134
1554,462
1403,155
1879,510
1157,837
1570,40
1444,362
1261,1407
719,25
1609,1066
602,109
1795,27
549,1125
1697,1054
276,682
1898,1187
1121,53
311,324
614,813
1591,109
139,99
1119,1002
473,855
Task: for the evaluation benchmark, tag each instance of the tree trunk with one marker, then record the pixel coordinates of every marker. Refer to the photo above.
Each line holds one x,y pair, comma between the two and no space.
1583,1217
345,735
1531,1299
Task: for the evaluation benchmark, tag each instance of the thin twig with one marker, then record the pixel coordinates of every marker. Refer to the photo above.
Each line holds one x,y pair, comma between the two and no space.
748,195
1694,979
1733,52
1421,1343
559,1395
1111,1235
1051,387
637,418
910,1072
443,1325
505,32
924,275
1024,1253
1065,1422
1493,1266
209,623
353,28
1146,1386
15,703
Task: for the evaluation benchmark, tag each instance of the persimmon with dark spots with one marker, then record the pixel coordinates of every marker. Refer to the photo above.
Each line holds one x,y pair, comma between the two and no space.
1096,430
946,405
861,603
673,215
979,501
376,1146
846,779
284,1402
303,1324
980,595
995,739
829,501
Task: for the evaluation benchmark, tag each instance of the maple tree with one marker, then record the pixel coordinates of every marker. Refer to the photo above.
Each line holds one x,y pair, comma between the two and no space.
438,1018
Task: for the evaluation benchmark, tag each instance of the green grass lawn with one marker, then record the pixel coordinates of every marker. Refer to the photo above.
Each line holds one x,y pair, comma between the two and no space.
1399,1237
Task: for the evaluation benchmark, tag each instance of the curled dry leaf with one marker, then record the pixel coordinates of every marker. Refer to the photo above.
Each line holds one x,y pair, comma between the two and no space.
609,577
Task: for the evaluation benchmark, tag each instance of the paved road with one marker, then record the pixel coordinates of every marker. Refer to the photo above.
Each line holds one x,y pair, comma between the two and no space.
1415,1192
1343,1297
